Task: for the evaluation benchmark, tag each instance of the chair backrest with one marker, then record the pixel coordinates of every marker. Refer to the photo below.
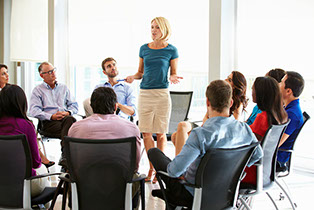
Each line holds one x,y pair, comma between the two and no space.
219,175
306,117
16,165
101,169
181,102
270,144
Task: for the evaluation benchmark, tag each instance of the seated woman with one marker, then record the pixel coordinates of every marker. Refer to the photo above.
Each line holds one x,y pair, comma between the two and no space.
238,84
4,76
4,79
266,93
14,121
277,74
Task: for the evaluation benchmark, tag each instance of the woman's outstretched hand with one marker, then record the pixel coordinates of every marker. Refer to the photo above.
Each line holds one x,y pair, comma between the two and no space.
174,79
129,79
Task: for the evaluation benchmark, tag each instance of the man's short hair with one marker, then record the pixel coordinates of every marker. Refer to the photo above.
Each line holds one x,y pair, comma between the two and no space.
41,65
105,61
295,82
103,100
3,66
219,94
277,74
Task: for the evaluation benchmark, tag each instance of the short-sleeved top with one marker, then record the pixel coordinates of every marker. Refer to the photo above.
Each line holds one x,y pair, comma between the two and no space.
156,66
296,120
125,95
16,126
260,124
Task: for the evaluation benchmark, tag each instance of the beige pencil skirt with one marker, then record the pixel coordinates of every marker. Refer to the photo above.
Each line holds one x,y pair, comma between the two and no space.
154,109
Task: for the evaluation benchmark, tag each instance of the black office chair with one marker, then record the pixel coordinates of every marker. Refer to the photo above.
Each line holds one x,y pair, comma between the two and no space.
289,165
266,167
217,179
15,175
181,102
101,172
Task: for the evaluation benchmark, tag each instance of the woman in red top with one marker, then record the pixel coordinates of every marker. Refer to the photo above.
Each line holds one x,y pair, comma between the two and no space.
266,93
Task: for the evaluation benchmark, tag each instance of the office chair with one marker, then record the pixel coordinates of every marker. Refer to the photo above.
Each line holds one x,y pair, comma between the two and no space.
217,179
101,172
289,165
15,175
181,102
266,167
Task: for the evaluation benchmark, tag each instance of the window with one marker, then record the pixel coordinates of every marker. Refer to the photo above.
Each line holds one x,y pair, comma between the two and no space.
100,29
279,34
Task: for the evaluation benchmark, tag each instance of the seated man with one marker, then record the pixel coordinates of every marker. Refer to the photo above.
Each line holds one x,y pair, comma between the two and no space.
104,124
124,92
291,87
52,103
218,131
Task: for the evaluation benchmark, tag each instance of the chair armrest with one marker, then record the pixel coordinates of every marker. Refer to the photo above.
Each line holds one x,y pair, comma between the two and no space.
42,175
140,178
184,182
65,177
286,150
195,123
80,115
243,175
163,173
258,163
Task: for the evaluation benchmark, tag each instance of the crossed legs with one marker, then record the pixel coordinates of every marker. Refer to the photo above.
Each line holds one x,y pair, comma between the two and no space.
179,137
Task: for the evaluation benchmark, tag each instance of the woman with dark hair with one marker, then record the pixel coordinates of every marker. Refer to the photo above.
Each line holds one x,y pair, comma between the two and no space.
14,121
4,75
238,84
277,74
266,93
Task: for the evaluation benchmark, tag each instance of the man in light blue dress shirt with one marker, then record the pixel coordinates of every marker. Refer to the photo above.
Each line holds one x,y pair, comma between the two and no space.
218,131
52,103
124,92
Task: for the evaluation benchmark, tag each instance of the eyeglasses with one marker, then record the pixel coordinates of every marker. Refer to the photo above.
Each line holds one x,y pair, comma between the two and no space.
50,71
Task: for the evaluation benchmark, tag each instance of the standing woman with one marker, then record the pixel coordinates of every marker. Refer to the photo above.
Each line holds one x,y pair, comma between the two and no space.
154,102
4,75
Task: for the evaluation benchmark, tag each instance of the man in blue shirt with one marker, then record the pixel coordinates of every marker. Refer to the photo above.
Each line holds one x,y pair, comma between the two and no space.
52,103
291,87
125,95
218,131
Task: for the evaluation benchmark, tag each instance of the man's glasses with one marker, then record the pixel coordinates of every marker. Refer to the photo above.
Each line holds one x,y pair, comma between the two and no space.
50,71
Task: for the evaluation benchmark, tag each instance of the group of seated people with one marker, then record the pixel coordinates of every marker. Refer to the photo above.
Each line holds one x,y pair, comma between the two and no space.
276,97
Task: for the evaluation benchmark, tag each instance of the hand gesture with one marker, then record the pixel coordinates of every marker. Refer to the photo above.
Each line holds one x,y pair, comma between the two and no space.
174,79
129,79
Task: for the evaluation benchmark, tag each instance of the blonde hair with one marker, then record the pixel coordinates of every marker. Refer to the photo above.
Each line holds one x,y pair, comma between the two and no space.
164,27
